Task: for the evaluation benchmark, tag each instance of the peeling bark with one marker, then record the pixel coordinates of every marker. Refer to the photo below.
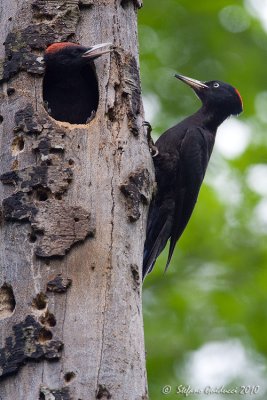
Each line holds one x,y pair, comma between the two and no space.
137,192
73,204
59,284
29,342
54,394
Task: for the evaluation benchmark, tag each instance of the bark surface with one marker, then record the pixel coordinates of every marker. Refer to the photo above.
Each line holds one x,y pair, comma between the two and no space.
73,211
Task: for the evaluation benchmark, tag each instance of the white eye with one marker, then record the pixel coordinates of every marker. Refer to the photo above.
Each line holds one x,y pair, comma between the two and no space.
216,84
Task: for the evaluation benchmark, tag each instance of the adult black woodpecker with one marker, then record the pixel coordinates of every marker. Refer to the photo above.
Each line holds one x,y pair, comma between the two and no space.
70,89
180,165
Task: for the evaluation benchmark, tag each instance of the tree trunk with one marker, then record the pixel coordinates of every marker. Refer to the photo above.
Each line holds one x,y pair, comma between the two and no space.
74,202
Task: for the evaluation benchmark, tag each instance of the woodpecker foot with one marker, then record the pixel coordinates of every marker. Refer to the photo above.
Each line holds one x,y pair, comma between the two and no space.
152,148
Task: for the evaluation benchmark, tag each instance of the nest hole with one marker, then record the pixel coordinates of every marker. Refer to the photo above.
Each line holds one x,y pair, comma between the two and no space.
1,119
71,94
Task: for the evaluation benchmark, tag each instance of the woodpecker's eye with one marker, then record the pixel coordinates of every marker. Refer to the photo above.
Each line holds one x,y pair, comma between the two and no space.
216,84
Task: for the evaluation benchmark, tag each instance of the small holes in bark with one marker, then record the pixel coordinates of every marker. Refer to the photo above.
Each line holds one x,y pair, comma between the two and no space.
7,301
57,150
15,165
58,196
32,237
10,91
40,301
71,162
76,219
103,393
48,319
17,145
84,5
69,376
136,276
42,194
45,335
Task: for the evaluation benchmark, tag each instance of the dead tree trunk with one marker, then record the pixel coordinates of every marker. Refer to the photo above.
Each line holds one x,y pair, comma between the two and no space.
73,207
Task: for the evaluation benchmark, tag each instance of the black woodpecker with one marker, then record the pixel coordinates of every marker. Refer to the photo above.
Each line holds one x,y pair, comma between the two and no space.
180,165
70,89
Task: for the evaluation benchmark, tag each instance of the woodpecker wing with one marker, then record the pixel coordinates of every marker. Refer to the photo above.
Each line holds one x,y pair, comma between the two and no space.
195,152
178,188
161,211
160,218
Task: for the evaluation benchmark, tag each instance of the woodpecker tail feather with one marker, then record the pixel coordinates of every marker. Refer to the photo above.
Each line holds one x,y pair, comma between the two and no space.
153,248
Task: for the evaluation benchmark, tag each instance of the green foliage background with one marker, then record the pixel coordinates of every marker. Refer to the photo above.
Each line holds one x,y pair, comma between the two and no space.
206,319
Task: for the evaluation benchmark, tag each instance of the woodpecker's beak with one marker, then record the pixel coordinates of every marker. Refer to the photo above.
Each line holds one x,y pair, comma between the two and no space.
97,50
191,82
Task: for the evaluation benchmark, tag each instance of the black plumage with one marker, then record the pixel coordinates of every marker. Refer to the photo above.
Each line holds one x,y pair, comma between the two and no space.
180,165
70,88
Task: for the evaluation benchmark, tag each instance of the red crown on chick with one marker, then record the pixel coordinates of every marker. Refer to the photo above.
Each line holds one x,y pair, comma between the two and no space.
53,48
